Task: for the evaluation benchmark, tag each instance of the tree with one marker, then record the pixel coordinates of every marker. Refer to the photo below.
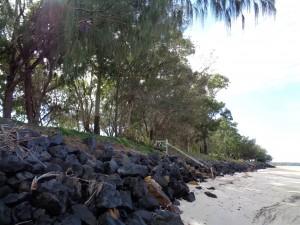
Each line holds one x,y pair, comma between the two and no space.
32,36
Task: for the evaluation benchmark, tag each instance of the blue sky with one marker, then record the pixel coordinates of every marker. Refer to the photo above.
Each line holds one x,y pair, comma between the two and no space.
263,65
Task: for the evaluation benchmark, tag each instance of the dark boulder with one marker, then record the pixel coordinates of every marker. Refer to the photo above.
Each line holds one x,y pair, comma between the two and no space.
109,197
190,197
21,176
41,141
72,159
88,173
12,164
44,156
114,179
48,201
162,217
147,216
99,166
107,219
15,198
13,182
3,178
179,188
131,169
106,153
58,151
5,190
50,167
23,211
24,186
84,214
56,139
148,202
211,195
73,187
126,200
41,218
82,157
70,220
162,180
135,220
136,186
111,166
5,214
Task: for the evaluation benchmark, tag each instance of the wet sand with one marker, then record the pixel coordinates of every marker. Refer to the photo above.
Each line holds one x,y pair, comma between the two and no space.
266,197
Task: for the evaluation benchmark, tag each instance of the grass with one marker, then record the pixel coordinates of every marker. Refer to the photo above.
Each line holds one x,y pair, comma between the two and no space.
141,147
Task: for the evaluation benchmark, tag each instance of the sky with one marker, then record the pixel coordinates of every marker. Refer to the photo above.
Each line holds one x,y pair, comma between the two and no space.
263,65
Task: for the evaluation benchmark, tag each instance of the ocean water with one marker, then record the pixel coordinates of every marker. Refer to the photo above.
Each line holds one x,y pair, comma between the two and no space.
290,168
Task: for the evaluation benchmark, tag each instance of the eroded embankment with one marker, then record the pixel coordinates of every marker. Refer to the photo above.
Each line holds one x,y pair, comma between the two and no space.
45,181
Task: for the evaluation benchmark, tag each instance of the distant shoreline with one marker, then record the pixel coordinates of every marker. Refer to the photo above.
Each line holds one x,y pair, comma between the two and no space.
285,163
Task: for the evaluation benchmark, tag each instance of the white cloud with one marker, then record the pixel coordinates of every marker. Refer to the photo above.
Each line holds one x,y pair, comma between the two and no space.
262,58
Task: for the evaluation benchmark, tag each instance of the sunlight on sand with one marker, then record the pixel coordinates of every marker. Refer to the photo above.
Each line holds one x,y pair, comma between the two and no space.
194,223
268,197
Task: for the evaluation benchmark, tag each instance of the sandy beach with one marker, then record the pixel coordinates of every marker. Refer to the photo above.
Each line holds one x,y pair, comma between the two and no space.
266,197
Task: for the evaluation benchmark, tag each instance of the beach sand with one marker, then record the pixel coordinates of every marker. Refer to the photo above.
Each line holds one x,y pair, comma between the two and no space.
266,197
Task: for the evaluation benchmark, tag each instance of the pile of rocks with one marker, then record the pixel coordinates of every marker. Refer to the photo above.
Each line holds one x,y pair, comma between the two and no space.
43,181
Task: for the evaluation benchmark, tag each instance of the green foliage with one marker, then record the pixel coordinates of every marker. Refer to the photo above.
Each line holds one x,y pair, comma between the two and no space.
228,143
120,65
130,144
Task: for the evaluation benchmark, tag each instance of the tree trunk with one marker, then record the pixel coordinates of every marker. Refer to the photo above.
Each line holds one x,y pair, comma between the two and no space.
115,123
29,103
10,85
8,101
97,106
205,147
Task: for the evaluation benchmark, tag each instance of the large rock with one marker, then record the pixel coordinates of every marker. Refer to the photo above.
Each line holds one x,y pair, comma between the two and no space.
56,139
50,202
156,191
88,173
166,218
126,200
107,219
148,202
5,214
84,214
3,178
23,211
209,194
179,188
42,142
5,190
15,198
21,176
190,197
147,216
109,197
111,166
131,169
12,164
58,151
106,153
135,220
136,186
83,157
70,220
